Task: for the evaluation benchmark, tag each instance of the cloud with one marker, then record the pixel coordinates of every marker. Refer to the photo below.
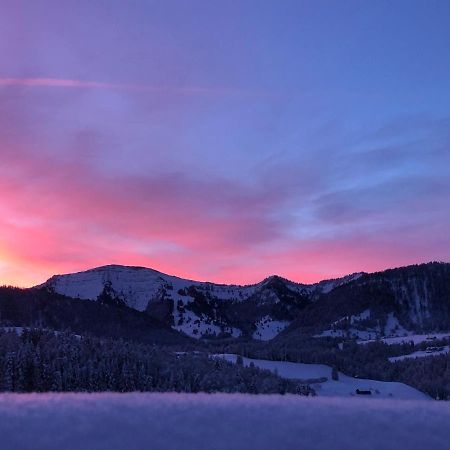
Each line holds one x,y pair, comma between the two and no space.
139,88
309,214
66,214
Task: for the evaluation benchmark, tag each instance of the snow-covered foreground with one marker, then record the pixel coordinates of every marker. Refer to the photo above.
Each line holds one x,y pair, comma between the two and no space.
218,422
345,386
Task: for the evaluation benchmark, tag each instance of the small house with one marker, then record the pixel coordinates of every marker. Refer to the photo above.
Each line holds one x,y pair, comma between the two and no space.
363,391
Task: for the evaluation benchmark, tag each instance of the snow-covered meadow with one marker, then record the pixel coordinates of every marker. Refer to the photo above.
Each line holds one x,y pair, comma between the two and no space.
218,422
422,354
345,386
415,338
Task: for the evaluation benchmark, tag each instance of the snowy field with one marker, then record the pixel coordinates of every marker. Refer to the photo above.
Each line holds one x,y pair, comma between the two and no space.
345,386
421,354
218,422
416,338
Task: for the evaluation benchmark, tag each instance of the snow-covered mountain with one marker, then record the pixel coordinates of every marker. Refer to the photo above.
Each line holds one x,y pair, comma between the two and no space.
363,306
395,302
197,308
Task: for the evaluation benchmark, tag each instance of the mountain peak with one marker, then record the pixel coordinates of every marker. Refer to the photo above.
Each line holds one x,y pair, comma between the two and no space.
120,267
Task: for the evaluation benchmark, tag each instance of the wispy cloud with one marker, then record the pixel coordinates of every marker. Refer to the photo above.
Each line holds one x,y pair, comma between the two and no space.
86,84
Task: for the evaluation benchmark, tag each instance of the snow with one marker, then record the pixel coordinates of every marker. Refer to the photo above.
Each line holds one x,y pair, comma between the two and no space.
393,326
345,386
354,318
415,338
332,333
137,286
18,330
134,285
420,309
218,422
194,326
352,332
361,316
363,335
421,354
267,328
327,286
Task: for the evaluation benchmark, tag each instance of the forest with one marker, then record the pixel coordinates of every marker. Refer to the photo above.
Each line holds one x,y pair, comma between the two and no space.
43,361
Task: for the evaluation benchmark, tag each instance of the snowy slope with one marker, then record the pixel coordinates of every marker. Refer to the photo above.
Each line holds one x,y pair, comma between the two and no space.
137,287
327,286
267,328
219,422
345,386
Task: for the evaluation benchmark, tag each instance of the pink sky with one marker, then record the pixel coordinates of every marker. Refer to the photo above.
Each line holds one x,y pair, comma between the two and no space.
65,215
223,141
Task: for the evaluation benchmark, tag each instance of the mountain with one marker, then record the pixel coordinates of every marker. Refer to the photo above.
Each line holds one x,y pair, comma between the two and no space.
196,308
393,302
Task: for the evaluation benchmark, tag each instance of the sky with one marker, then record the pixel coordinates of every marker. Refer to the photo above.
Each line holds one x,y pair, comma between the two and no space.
223,140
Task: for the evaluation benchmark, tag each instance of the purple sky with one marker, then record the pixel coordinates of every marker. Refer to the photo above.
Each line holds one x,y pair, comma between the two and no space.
223,140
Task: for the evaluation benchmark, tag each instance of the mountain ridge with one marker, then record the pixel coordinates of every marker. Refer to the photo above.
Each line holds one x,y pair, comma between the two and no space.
137,268
261,310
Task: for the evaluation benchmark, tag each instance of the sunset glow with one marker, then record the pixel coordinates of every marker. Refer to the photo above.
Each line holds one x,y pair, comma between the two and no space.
206,150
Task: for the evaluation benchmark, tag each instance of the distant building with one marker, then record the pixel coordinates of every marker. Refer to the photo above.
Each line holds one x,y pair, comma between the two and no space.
363,391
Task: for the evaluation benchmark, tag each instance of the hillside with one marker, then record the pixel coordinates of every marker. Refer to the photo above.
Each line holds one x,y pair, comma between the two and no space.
395,302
